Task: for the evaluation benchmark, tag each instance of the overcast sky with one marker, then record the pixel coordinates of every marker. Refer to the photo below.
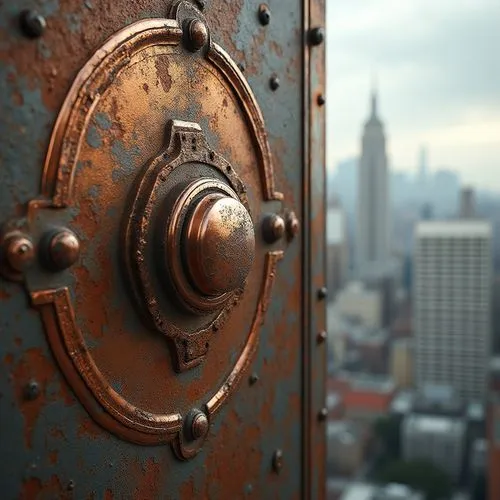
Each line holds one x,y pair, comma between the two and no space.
437,67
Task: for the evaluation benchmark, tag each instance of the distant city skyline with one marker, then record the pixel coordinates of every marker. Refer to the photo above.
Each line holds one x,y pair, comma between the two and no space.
438,83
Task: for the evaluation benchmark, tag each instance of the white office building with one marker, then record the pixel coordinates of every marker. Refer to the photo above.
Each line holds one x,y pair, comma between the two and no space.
452,305
438,439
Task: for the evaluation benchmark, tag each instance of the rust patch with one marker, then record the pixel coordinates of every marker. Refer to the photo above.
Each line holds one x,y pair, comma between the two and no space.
164,78
147,478
52,488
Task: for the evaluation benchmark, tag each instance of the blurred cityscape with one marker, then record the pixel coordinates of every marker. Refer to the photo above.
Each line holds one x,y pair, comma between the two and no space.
413,265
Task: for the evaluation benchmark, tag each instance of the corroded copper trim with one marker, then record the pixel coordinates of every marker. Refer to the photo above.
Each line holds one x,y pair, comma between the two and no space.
76,349
223,62
90,386
102,69
272,259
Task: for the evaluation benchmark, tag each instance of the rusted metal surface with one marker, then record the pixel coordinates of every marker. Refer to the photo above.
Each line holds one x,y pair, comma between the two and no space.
108,395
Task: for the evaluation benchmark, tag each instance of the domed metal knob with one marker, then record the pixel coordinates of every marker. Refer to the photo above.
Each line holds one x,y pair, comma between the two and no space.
220,244
210,244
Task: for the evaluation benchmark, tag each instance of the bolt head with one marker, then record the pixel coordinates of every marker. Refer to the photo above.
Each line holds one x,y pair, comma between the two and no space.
323,414
32,390
199,425
32,23
321,100
274,82
197,34
278,460
322,293
316,36
19,252
253,379
273,228
292,225
63,249
322,336
264,14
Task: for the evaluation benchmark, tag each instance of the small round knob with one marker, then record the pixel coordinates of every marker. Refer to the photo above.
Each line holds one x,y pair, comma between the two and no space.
63,249
273,228
220,244
199,425
19,252
197,34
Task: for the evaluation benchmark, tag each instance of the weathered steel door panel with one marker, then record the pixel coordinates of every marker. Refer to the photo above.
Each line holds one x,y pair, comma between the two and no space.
161,249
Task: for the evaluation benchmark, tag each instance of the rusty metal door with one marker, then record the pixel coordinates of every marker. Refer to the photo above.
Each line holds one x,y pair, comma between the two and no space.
161,249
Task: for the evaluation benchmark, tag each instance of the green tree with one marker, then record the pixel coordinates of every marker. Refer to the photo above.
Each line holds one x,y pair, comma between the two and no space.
387,431
420,475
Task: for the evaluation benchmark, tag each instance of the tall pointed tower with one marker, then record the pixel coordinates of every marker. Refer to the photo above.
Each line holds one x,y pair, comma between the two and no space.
373,197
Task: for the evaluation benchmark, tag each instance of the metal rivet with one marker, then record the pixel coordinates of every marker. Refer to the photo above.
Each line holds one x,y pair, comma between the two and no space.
196,424
323,414
19,252
32,23
273,228
253,379
322,293
71,485
316,36
274,82
62,250
32,390
264,14
321,337
321,100
277,460
292,225
197,34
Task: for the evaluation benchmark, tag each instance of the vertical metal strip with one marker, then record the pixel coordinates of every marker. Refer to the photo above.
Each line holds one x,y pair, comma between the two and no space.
314,215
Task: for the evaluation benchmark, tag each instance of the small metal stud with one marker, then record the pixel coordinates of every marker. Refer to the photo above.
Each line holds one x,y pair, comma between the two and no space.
62,249
322,293
273,228
316,36
321,100
292,225
264,14
197,34
32,23
321,337
253,379
71,485
274,83
278,461
323,414
32,390
19,252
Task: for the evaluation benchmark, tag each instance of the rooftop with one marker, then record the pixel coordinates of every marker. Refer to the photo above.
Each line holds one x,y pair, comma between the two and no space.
459,228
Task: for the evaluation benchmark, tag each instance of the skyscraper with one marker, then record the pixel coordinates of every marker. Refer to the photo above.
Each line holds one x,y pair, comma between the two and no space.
452,305
372,245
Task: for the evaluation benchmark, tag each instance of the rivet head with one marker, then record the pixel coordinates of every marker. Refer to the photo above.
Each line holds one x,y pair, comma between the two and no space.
273,228
316,36
292,225
321,100
71,485
274,82
322,293
323,414
32,23
197,34
19,252
264,14
199,425
278,460
32,390
321,336
253,379
63,250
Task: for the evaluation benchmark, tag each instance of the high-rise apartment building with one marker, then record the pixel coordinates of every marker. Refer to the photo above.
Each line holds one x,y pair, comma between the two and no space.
372,239
452,305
